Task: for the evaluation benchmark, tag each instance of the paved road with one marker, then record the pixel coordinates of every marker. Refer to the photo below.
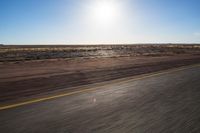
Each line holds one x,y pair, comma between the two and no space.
167,103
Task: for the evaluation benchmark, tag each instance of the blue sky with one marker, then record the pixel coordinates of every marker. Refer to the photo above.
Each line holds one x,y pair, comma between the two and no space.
90,21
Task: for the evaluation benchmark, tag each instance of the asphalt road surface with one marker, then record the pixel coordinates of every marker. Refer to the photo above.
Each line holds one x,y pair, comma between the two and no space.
164,103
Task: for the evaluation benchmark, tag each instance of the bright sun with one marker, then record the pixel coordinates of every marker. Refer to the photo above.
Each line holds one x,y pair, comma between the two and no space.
104,11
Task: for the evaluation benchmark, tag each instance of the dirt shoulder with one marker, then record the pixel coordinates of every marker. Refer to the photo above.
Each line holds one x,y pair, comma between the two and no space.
19,80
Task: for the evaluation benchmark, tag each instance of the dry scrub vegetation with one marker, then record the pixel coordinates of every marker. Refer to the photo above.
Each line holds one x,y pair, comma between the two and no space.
40,52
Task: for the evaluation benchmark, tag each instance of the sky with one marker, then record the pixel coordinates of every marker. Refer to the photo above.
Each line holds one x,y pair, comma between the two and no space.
99,21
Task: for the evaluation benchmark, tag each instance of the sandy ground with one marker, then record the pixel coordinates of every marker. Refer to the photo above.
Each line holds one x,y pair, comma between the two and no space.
15,71
24,79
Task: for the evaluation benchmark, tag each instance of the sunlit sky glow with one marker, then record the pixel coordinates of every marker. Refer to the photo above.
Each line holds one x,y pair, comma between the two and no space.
99,21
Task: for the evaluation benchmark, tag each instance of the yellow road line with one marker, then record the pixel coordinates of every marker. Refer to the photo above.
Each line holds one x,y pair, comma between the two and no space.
43,99
124,80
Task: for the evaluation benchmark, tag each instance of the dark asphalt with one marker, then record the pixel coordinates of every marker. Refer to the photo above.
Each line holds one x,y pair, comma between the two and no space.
168,103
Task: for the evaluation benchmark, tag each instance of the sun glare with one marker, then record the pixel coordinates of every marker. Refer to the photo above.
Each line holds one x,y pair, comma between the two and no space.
105,12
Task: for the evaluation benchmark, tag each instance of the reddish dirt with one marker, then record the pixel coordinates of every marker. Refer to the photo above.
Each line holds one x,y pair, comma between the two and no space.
29,78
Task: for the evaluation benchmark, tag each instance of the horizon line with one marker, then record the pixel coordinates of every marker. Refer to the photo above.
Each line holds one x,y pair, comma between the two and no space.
101,44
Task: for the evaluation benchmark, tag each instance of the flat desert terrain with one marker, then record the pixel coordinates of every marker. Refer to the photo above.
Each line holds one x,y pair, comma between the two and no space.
34,71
